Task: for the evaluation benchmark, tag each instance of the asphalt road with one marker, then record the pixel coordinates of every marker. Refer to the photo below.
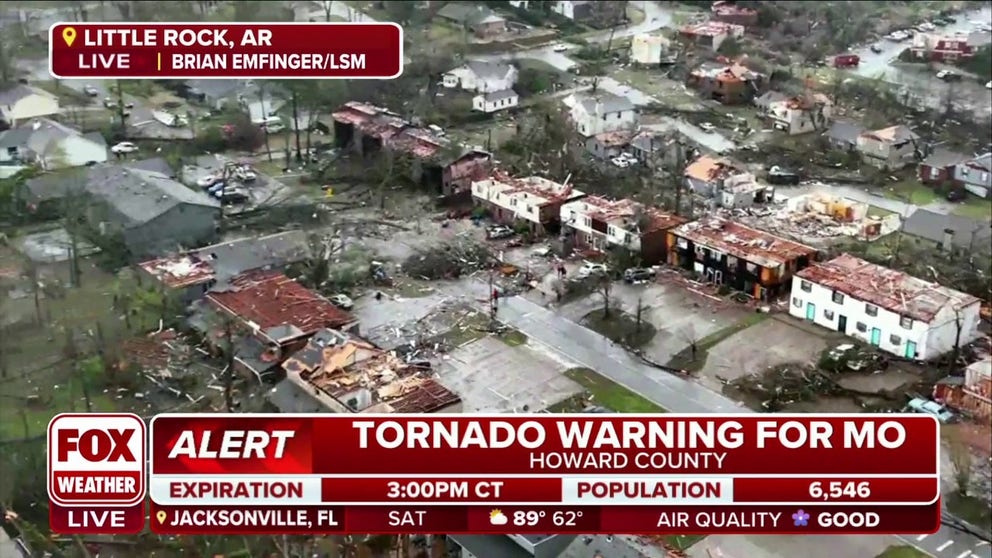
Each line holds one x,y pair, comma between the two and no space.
967,94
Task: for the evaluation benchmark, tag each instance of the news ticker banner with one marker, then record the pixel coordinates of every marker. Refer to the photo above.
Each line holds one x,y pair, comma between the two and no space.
225,50
456,465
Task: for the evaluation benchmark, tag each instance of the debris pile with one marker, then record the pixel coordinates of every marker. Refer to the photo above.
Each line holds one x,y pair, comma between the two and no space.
784,385
165,359
449,261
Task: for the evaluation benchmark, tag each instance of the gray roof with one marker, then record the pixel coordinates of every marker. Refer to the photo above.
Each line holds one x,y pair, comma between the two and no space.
290,398
55,185
605,103
843,131
968,233
464,12
770,97
13,94
651,141
491,70
155,164
941,158
500,95
514,546
138,196
229,259
217,88
40,135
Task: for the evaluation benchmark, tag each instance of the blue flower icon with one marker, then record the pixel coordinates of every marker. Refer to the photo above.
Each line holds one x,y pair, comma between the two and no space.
800,519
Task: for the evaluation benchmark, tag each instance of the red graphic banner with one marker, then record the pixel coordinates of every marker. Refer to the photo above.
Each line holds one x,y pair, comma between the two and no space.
359,444
226,50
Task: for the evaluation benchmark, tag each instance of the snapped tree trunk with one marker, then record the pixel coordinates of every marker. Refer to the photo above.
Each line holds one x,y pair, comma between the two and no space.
294,100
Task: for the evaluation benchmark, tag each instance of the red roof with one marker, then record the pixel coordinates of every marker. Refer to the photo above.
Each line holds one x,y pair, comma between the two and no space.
268,299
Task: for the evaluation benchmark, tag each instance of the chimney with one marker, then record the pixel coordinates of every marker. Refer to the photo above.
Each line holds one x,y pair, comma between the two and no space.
948,243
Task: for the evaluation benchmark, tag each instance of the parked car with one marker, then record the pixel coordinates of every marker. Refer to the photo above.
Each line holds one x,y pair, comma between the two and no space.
957,194
589,269
948,75
542,251
707,127
216,187
620,162
779,176
245,174
112,104
988,85
208,181
342,302
877,49
560,47
497,232
273,127
90,90
233,195
124,147
635,274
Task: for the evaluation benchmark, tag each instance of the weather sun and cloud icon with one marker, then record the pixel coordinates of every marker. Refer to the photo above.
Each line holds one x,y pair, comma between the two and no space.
497,517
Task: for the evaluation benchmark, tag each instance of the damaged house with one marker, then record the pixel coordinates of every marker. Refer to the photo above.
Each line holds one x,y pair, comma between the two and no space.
346,374
748,260
728,84
802,114
726,183
890,148
598,224
972,393
191,274
437,163
274,315
898,313
711,34
533,201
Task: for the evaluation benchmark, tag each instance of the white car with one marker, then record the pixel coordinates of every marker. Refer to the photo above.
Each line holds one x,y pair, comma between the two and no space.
274,127
560,47
707,127
208,181
620,162
90,90
988,85
588,269
245,174
124,147
342,302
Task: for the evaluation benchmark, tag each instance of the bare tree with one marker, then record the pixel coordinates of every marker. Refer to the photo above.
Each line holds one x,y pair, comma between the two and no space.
606,291
692,338
639,315
961,460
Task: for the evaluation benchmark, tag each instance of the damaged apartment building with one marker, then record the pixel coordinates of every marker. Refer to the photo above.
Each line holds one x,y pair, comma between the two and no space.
745,259
340,373
898,313
446,168
533,202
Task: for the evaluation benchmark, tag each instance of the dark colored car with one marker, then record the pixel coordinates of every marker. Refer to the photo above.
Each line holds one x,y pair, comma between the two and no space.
782,177
956,194
636,274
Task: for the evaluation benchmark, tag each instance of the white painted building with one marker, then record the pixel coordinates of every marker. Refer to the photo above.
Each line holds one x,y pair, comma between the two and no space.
534,200
897,313
481,76
522,4
50,145
23,102
574,10
496,101
649,49
599,114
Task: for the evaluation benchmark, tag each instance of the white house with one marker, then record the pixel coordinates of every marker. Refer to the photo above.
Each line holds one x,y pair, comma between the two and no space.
22,102
50,145
895,312
522,4
535,201
602,113
576,10
495,101
481,76
648,49
799,115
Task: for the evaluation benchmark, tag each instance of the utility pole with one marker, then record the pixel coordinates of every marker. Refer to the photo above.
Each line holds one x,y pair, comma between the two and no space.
121,114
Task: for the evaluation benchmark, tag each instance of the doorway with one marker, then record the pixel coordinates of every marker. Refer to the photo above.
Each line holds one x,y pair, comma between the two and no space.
810,311
911,350
876,336
842,324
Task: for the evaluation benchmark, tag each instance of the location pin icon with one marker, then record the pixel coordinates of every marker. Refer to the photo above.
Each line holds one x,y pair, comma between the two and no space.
160,516
69,35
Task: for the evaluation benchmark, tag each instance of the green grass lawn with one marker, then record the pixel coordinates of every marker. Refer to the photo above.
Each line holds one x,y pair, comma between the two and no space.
969,508
620,327
684,359
910,190
513,337
902,552
610,394
975,208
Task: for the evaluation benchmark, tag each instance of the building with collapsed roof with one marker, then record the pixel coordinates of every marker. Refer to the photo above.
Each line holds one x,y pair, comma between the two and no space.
435,162
727,183
726,83
711,34
801,114
896,312
599,224
350,375
727,253
188,276
890,148
533,201
273,317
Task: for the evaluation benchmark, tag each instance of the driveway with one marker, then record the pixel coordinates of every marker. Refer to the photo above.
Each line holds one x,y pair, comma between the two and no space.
933,92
